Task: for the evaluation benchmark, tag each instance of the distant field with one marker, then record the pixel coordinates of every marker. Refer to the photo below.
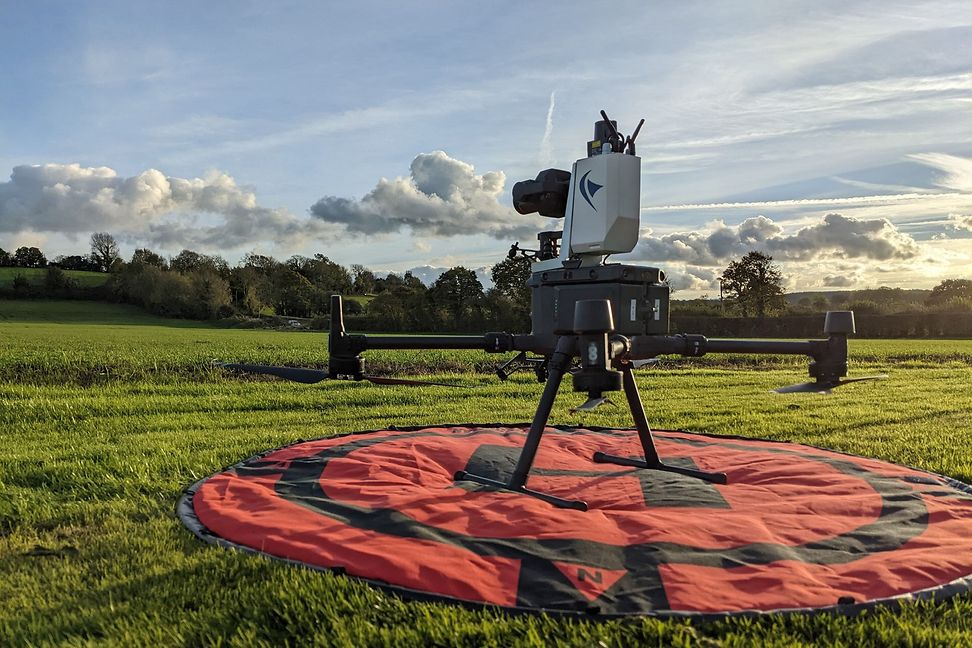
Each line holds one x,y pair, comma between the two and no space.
106,414
35,276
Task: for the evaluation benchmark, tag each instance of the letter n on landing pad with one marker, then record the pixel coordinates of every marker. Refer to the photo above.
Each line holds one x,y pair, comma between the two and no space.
590,581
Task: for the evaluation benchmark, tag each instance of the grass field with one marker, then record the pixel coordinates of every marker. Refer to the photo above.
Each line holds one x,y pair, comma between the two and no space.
35,276
106,414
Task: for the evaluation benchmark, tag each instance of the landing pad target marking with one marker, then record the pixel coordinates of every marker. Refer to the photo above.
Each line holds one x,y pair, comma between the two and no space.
797,527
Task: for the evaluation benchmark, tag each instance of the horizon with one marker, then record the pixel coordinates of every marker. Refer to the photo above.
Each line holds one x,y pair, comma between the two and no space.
840,143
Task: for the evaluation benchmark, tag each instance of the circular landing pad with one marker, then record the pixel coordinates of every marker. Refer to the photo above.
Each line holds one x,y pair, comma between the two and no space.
796,527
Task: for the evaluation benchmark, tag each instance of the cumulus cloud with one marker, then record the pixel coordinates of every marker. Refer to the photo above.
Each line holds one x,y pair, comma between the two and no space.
835,236
840,281
442,196
692,278
960,222
72,199
846,237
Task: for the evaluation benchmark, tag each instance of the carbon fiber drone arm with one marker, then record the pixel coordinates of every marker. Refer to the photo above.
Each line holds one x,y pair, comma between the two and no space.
345,350
829,355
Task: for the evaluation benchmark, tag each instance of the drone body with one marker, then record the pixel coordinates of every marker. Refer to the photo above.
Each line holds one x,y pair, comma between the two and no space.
592,319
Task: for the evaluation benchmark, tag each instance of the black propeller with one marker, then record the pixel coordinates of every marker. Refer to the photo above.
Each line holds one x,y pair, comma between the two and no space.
824,387
638,364
312,376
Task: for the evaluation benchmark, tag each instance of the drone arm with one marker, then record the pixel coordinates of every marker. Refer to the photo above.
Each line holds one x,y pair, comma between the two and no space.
345,345
649,346
781,347
829,355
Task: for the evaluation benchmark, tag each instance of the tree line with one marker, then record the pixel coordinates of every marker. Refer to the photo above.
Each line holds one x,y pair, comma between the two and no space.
752,287
200,286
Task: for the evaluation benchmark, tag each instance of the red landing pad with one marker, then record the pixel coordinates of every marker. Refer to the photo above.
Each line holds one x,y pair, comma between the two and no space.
796,527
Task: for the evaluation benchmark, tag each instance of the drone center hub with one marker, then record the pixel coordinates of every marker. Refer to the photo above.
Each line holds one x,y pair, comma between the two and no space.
638,295
594,382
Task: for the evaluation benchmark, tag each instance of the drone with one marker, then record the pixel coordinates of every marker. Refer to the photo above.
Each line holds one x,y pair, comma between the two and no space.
590,319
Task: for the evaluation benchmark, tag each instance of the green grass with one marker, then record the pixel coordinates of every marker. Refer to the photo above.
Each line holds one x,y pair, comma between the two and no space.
106,414
84,278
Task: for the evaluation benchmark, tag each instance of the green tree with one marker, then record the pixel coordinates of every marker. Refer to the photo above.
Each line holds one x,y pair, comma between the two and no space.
402,304
509,279
188,261
75,262
21,285
510,276
104,250
251,289
950,291
754,285
502,314
170,293
145,256
56,281
29,257
327,276
866,307
459,292
5,258
260,262
293,294
362,280
211,297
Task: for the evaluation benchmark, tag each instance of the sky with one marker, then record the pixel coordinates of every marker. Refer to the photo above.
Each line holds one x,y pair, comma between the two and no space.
835,136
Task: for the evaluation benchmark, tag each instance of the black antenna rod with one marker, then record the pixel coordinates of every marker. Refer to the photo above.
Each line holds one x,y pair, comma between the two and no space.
633,137
618,142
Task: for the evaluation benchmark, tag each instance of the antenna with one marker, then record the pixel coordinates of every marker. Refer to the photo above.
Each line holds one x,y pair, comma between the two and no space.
631,138
617,142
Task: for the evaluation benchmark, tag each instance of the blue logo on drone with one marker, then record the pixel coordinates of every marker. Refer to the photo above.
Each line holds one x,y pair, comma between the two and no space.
588,188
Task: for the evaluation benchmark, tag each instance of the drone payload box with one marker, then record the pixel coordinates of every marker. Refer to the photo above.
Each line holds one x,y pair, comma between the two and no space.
639,298
604,211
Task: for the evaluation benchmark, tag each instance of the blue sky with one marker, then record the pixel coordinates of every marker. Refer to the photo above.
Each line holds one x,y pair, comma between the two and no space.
219,126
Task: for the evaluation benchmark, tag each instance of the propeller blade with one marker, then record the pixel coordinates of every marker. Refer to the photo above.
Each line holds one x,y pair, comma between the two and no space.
312,376
824,387
380,380
306,376
638,364
592,404
844,381
807,388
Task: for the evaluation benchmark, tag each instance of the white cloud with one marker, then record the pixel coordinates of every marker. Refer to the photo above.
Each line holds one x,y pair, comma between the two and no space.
840,281
960,221
834,236
441,197
846,237
958,170
150,206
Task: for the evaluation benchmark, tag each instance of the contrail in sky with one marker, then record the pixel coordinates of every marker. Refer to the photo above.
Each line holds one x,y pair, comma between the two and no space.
546,154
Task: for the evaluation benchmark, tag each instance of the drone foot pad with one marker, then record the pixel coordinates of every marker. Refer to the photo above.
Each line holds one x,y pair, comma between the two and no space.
796,528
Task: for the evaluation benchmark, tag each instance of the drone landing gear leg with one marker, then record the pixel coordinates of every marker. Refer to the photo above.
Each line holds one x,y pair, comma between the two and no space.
558,366
651,460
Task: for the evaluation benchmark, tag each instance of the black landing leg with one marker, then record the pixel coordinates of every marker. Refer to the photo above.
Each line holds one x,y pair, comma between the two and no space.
651,460
559,363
